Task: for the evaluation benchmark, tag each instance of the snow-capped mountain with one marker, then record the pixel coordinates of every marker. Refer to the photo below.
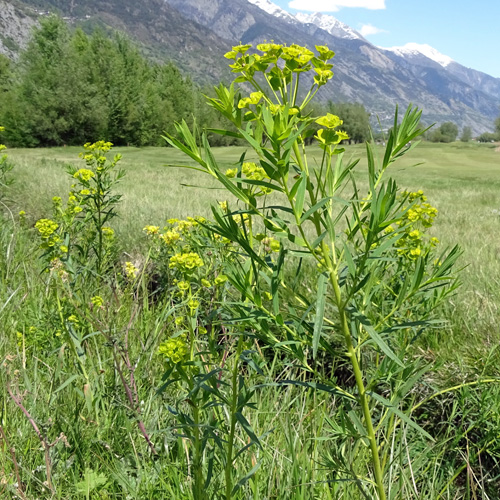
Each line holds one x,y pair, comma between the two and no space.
330,24
422,57
417,49
272,9
195,34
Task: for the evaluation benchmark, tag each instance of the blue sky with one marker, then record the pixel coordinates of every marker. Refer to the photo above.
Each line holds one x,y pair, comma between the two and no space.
466,31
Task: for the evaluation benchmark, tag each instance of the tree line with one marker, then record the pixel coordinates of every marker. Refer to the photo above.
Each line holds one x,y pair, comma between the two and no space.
69,88
448,132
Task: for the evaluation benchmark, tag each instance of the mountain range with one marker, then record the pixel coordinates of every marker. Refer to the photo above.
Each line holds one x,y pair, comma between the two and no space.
196,33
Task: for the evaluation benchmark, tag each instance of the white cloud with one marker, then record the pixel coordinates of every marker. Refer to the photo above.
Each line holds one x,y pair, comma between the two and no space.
335,5
369,29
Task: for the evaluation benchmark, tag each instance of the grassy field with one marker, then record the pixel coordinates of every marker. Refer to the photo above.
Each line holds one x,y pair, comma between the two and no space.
98,452
461,180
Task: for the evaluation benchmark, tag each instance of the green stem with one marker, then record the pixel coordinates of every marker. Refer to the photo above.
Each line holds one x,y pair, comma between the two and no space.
232,430
296,90
198,492
99,225
71,343
351,352
358,375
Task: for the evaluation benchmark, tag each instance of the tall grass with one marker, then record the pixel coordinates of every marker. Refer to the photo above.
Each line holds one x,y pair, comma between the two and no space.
99,452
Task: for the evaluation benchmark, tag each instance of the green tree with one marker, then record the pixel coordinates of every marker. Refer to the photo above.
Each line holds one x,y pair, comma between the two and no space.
466,134
73,88
487,137
447,132
5,73
52,103
497,127
356,120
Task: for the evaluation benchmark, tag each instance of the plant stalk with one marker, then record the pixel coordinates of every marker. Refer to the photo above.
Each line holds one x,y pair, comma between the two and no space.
234,407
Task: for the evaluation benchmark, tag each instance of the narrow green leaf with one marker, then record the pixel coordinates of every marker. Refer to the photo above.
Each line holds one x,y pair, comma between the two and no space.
377,338
405,418
301,196
314,209
65,384
228,133
244,479
247,428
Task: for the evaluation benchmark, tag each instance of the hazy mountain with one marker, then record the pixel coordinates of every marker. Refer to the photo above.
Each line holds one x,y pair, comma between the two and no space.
378,78
424,55
196,33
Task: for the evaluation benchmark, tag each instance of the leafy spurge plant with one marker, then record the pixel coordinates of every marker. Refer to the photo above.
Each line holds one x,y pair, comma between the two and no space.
79,234
379,278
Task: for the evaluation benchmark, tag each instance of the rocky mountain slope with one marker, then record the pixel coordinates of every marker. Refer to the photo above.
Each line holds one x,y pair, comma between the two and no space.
426,56
16,22
364,73
161,31
196,33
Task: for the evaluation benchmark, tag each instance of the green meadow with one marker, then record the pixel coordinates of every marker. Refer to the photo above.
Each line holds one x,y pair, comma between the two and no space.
461,179
104,456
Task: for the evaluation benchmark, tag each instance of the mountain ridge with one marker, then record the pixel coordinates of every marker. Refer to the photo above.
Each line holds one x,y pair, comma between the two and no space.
195,34
364,73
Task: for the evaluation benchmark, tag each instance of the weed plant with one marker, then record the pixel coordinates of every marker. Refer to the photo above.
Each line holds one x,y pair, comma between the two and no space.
379,278
280,348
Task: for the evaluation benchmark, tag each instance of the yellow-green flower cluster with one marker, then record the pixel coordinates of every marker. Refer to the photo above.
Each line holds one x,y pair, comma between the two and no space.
271,245
328,135
186,262
84,174
275,108
420,211
150,230
73,206
175,348
2,146
130,270
254,172
101,146
95,156
281,61
220,279
414,242
170,236
254,99
193,304
329,121
97,301
107,232
47,229
183,286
